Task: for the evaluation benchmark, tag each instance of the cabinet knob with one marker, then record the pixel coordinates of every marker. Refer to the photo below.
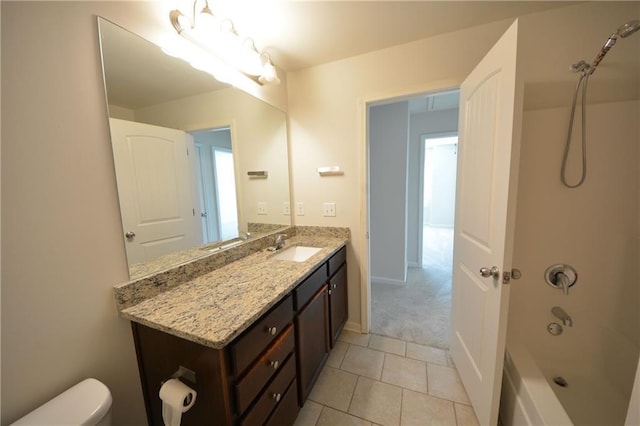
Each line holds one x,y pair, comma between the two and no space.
334,286
272,330
274,364
276,396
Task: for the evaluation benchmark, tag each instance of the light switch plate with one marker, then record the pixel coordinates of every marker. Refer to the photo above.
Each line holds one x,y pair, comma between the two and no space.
329,209
286,208
262,207
300,208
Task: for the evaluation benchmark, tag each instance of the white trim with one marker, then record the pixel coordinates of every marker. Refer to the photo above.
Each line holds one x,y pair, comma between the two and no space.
353,326
415,264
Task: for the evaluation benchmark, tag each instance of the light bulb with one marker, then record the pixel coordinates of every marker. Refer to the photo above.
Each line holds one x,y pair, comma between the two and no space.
269,74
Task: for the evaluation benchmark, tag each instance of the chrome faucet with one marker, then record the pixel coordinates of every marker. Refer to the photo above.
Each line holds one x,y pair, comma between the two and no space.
279,241
562,315
563,282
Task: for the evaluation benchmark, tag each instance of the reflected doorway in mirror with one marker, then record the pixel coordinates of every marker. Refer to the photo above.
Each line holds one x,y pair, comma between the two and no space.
216,184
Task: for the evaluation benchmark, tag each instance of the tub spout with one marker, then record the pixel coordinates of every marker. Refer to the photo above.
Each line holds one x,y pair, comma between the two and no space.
562,315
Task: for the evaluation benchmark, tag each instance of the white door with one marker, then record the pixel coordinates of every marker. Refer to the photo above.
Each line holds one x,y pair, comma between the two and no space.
155,190
489,140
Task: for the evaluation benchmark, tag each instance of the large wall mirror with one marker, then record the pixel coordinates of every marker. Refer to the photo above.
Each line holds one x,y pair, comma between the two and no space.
200,165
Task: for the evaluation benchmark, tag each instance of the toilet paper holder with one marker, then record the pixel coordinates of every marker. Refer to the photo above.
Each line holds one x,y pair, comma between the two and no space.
183,374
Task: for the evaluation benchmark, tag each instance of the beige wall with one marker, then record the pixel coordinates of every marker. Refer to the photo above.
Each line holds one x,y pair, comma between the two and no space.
62,244
62,241
326,106
260,143
326,102
327,122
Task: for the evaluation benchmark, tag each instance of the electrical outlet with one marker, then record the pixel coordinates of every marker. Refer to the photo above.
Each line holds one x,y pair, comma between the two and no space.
262,207
286,208
329,209
300,208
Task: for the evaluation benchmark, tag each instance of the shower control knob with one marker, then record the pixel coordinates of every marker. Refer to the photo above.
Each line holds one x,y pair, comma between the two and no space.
493,272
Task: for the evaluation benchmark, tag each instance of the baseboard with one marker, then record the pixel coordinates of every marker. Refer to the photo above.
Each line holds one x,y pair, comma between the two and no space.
353,326
381,280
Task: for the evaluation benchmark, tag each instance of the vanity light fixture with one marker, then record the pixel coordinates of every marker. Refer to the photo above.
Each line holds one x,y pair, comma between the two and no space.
217,37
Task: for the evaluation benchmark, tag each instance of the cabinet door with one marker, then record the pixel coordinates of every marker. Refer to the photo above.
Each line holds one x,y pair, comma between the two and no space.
338,302
312,337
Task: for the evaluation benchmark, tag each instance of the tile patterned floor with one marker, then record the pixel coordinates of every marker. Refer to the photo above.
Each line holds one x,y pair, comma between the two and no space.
376,380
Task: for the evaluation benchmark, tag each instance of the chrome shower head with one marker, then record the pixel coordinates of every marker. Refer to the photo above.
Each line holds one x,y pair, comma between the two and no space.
628,28
623,31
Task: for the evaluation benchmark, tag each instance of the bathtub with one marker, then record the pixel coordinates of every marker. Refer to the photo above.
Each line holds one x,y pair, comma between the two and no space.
597,393
527,398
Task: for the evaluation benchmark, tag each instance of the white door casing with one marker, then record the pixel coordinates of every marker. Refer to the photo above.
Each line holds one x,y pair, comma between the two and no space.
155,189
488,156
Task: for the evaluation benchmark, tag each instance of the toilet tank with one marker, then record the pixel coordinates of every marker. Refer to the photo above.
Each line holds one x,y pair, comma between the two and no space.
86,404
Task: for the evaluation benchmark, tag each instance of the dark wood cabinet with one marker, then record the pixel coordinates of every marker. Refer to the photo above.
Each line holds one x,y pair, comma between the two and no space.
243,383
320,302
264,375
312,340
338,302
160,355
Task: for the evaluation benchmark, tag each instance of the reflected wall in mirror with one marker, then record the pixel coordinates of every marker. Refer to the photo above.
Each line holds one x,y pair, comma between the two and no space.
186,149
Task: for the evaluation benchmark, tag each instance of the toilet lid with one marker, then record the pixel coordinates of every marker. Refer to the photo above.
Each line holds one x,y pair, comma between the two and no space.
83,404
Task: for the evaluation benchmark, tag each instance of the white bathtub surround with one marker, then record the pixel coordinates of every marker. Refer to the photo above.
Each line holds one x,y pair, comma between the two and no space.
594,229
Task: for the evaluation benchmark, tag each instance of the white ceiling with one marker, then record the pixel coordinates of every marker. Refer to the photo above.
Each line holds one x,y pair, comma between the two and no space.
297,34
300,34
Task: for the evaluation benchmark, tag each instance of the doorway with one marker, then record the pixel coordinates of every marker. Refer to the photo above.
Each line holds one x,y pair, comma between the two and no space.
412,169
216,184
439,164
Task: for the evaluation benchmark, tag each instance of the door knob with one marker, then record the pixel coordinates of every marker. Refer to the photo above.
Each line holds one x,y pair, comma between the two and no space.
493,272
130,235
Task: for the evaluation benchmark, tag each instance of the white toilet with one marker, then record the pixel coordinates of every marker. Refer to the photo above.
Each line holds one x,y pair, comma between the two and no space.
86,404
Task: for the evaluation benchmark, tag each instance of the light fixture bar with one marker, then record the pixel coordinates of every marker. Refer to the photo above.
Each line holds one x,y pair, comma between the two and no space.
220,40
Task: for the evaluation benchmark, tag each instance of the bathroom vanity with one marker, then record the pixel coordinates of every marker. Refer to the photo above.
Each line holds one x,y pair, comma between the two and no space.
251,337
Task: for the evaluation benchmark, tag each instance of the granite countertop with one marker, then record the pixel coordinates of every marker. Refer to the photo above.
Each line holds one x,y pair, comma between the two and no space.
216,307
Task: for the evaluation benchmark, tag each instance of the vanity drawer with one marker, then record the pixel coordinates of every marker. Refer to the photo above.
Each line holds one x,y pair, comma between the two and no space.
259,374
337,260
305,291
253,341
272,395
287,410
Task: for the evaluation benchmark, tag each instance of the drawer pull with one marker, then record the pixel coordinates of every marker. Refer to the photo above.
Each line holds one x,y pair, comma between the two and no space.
274,364
276,396
272,330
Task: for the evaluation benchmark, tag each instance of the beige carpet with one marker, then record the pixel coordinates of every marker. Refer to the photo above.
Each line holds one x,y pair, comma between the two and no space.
420,310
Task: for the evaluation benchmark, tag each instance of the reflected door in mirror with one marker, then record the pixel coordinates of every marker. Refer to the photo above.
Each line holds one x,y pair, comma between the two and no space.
155,190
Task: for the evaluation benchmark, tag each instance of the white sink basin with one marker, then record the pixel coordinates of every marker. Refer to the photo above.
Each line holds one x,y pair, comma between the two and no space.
296,253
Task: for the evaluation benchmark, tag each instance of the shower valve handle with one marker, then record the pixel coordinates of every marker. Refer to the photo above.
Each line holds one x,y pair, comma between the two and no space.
493,272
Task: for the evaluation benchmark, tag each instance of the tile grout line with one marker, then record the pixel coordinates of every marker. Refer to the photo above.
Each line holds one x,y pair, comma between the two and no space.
402,388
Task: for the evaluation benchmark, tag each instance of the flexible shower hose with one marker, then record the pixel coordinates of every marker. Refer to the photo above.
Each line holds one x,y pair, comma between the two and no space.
563,172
